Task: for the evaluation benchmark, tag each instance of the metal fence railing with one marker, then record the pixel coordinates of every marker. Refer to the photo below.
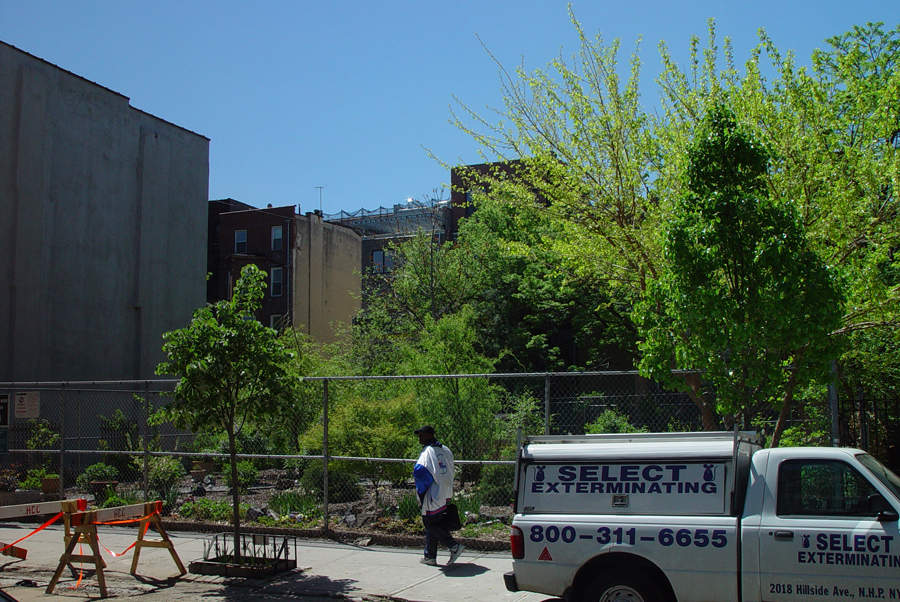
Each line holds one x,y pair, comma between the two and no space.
339,456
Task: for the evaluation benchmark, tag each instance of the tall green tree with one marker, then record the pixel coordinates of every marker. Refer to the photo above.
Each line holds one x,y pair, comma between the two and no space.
741,297
463,411
233,371
535,312
587,150
611,170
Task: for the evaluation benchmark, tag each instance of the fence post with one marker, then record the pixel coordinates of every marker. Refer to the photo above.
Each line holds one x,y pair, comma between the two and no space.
833,403
325,454
62,444
146,441
547,403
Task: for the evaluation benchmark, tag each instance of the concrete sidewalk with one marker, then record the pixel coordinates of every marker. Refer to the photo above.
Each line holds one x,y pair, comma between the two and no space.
326,570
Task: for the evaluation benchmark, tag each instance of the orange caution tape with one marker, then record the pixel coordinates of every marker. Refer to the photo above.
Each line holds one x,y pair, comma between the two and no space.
41,528
80,570
125,551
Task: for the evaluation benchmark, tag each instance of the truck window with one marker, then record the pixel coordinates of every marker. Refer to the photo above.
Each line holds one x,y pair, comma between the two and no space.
822,488
881,472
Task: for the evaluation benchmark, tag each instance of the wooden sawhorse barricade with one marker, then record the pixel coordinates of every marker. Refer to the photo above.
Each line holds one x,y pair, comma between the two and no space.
81,528
57,507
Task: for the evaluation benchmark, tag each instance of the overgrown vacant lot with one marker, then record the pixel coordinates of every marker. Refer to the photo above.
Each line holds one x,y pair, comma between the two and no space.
282,499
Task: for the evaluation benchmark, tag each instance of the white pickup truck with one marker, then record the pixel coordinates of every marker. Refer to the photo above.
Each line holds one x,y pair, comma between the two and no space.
691,517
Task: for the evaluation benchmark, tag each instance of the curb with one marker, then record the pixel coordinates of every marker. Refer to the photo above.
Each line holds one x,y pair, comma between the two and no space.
370,538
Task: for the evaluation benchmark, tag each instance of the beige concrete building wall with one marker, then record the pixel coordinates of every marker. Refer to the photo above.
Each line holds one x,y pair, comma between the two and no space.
103,217
327,280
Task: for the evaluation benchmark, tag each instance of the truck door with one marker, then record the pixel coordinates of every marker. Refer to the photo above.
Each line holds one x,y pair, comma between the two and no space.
820,537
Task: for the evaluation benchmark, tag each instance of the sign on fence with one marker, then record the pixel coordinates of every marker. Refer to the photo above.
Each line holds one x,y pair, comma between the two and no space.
28,405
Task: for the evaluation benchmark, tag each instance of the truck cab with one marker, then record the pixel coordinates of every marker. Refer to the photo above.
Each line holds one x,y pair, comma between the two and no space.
820,522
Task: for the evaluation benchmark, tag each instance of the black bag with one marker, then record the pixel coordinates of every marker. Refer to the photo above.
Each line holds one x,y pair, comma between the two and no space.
451,518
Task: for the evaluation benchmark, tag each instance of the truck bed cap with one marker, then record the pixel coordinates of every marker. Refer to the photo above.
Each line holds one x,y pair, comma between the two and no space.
635,446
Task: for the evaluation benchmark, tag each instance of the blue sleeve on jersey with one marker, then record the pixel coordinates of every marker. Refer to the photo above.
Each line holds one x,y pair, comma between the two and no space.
423,479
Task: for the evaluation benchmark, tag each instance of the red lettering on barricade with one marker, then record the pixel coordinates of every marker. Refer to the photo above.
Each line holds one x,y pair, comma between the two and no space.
21,510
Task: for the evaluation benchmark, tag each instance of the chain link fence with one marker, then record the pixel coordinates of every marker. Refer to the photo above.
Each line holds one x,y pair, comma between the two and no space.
340,456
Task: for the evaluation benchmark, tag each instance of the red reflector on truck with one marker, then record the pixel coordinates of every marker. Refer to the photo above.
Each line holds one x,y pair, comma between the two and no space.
517,543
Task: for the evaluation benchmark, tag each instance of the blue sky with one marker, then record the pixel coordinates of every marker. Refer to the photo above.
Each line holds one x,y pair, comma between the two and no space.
349,94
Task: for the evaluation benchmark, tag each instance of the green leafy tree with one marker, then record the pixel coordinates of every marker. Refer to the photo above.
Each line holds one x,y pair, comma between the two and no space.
741,297
610,172
832,136
232,371
535,311
587,155
309,358
462,411
366,427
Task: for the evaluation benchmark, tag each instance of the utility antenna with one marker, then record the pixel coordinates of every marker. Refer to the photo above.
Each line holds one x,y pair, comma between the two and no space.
320,197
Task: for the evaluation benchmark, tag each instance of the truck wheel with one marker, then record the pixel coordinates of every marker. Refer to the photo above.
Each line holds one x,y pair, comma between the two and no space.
623,585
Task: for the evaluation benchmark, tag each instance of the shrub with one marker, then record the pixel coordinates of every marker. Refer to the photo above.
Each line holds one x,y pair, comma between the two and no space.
249,443
297,466
342,487
96,472
204,509
496,484
163,473
468,503
246,473
9,479
120,434
120,499
408,508
41,435
294,502
33,478
611,421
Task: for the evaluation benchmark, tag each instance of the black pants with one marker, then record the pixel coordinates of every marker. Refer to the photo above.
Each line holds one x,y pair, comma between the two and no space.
435,532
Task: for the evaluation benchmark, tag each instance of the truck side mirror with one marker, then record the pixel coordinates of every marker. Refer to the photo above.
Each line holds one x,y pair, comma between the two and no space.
885,512
888,516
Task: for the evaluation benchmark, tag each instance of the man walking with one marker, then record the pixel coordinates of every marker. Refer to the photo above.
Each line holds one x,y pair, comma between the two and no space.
433,474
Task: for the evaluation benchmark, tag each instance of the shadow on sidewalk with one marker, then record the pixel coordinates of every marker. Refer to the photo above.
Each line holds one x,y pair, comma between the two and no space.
464,570
297,583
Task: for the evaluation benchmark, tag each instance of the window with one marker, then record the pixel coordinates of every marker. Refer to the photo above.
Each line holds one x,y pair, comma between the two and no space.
275,322
881,472
275,284
240,242
382,263
822,488
276,238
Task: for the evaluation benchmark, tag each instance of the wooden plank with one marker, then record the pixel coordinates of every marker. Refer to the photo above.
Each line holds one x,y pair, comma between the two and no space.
54,507
107,515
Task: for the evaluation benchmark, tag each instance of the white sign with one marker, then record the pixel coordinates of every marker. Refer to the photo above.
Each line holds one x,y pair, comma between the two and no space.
28,405
664,488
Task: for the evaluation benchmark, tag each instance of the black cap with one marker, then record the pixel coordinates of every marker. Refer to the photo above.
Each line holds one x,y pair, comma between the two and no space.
425,429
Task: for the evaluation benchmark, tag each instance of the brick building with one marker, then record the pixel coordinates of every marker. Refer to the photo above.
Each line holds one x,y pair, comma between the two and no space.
312,267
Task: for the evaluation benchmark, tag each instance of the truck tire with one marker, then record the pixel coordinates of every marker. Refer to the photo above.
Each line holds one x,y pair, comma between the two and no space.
623,585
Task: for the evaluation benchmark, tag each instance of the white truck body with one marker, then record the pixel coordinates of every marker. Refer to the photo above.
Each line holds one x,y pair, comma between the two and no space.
695,517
